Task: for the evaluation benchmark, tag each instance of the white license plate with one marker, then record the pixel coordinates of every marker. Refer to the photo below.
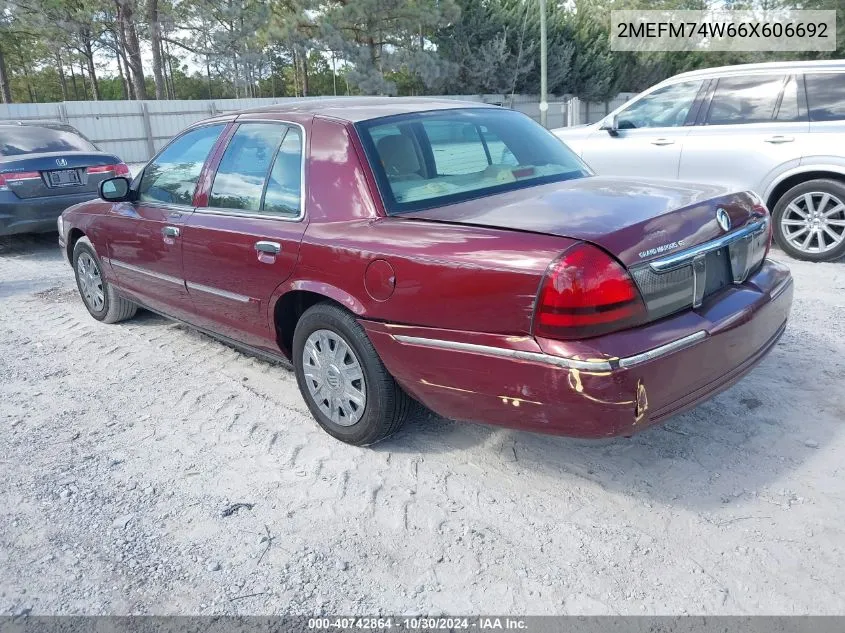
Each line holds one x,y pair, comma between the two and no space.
63,178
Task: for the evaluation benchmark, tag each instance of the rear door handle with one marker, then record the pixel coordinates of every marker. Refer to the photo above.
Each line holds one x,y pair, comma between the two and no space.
663,141
170,231
780,139
273,248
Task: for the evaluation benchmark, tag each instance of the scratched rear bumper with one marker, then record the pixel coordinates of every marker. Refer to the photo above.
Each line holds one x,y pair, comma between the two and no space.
527,392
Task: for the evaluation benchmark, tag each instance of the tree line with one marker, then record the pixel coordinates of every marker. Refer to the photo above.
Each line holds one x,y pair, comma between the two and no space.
54,50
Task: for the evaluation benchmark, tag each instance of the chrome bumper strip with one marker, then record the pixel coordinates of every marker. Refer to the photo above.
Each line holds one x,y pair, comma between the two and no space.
144,271
686,257
557,361
657,352
774,294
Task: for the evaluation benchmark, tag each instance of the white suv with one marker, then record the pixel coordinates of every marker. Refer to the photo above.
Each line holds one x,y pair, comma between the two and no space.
777,129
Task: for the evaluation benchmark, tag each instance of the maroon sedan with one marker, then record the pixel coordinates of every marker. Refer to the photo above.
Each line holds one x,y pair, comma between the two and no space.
452,253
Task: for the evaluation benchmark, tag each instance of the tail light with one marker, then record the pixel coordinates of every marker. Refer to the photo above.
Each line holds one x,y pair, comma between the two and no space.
120,169
585,293
17,176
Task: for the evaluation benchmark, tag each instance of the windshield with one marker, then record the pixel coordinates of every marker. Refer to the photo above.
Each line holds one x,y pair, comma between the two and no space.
28,139
441,157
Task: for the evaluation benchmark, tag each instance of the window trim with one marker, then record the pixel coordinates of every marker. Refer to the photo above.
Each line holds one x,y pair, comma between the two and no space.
238,213
179,205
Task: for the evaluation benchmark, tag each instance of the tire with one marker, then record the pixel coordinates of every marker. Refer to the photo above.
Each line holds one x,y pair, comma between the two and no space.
318,342
99,296
791,215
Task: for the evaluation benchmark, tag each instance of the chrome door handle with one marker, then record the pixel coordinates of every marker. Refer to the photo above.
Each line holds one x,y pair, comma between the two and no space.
779,139
663,141
170,231
274,248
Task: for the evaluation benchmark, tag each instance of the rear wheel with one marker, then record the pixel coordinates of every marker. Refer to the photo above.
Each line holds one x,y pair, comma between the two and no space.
809,221
345,385
97,294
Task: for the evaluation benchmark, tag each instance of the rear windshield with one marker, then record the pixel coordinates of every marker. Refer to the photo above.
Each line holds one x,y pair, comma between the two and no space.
27,139
430,159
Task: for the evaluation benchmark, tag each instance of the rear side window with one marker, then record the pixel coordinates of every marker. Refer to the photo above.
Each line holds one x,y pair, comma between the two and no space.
283,195
28,139
826,96
240,178
171,177
261,171
740,100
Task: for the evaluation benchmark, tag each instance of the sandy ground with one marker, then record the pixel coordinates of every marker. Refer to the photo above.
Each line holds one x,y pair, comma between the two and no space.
122,448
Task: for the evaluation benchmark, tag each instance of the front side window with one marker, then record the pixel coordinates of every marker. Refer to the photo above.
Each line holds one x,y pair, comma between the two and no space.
172,176
442,157
826,96
665,107
740,100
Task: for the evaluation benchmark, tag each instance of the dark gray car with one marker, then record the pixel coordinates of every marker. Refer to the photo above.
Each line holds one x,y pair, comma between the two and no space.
44,169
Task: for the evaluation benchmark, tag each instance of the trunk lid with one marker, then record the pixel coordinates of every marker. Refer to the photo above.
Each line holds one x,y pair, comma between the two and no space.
59,173
634,220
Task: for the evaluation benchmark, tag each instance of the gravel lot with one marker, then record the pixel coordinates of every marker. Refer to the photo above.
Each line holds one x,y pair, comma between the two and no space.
123,447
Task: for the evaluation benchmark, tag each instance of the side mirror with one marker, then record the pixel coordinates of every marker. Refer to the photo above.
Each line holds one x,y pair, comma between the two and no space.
115,189
612,126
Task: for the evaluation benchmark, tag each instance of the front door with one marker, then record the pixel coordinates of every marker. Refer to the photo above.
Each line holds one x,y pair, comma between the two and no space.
244,241
145,248
650,135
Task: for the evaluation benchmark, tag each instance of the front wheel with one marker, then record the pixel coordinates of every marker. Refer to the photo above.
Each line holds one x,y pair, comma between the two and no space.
103,303
809,221
345,385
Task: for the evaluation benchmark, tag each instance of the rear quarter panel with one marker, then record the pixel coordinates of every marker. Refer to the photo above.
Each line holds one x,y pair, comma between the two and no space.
445,276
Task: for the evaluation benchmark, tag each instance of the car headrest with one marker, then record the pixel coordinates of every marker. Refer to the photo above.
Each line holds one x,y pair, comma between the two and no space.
398,155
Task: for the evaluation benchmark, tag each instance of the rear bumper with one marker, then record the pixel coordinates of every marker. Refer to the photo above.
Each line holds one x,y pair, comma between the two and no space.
613,385
34,215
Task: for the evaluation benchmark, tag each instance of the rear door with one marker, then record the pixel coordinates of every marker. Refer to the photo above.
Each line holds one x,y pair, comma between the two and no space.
651,135
826,99
144,237
751,128
244,241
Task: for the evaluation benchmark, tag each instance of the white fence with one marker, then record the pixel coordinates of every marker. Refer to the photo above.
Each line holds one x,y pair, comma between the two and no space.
135,130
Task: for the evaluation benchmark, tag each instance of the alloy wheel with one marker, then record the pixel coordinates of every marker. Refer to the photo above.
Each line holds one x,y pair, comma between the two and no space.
814,222
334,377
90,282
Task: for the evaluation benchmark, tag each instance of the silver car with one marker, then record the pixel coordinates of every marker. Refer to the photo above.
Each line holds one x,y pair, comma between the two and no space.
777,129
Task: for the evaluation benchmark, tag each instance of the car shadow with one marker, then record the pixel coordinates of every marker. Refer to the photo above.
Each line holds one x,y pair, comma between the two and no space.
31,245
735,445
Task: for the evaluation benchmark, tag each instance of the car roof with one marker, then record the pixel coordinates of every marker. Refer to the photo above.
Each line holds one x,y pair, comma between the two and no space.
356,109
764,67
